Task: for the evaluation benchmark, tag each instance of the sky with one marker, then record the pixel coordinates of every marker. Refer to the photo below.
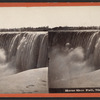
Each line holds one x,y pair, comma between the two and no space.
16,17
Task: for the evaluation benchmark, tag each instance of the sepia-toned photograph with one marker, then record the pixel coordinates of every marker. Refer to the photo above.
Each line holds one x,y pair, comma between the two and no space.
49,49
23,50
74,50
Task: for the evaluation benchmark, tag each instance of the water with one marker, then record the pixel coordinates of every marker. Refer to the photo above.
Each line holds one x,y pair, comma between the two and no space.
72,54
22,51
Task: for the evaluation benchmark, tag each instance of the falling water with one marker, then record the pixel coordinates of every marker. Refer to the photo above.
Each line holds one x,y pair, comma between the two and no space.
93,49
72,54
24,51
91,44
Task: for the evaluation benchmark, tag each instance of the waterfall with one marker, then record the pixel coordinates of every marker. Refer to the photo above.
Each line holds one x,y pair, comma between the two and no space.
26,50
88,40
91,44
96,55
73,54
43,57
93,50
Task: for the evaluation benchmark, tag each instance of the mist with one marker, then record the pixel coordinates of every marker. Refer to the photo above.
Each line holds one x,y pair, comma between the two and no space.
6,68
67,63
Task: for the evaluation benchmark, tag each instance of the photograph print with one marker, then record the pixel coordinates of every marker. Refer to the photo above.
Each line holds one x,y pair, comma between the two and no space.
74,50
23,50
49,49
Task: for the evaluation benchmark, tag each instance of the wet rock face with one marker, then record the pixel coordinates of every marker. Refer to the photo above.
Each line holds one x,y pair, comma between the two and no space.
25,49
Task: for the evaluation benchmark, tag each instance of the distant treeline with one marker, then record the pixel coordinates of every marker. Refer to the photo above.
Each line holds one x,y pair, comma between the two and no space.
76,28
25,29
47,28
